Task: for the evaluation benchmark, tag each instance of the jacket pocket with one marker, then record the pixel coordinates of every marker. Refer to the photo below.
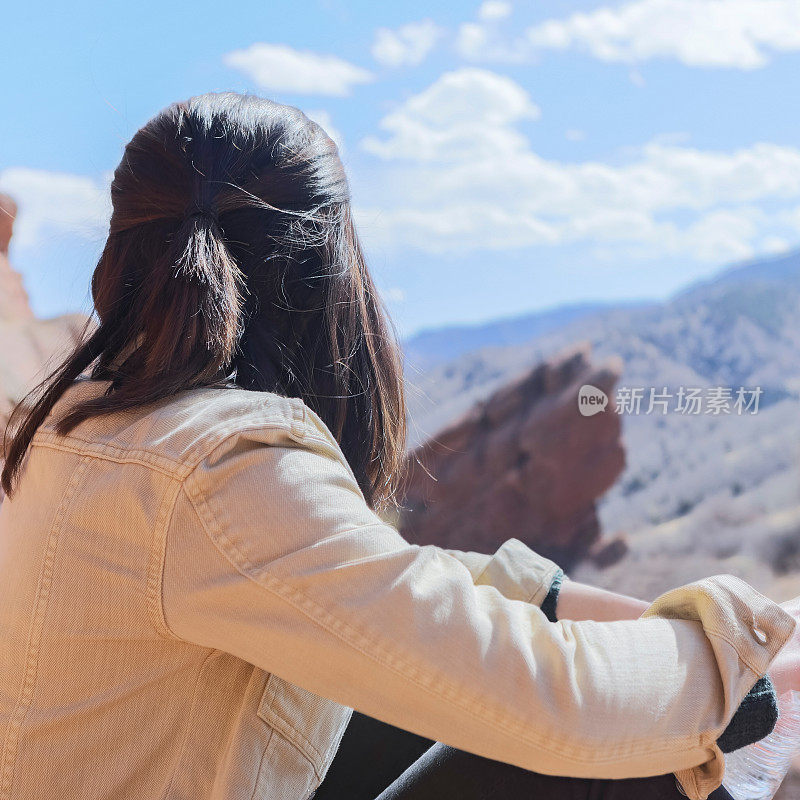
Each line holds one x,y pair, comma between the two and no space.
313,725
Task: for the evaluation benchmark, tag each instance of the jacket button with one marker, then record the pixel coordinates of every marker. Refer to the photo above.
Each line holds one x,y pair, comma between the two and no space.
759,635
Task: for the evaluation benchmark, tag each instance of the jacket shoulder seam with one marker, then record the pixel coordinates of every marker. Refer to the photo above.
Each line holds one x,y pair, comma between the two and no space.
176,468
107,452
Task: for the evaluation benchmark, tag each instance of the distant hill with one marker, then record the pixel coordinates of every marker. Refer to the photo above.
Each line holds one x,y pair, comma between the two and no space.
783,268
433,346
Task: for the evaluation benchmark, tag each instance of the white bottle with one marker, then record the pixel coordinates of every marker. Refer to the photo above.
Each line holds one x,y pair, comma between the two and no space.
755,772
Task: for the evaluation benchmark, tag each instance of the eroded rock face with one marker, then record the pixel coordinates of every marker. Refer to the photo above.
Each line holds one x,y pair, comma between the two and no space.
8,213
14,304
29,347
524,463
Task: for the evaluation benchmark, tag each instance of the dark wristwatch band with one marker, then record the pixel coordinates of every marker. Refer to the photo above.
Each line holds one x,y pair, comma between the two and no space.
551,600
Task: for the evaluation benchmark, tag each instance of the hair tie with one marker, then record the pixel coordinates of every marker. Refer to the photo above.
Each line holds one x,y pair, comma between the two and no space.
200,211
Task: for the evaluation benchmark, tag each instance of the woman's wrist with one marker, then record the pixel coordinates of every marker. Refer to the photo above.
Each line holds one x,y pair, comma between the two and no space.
579,601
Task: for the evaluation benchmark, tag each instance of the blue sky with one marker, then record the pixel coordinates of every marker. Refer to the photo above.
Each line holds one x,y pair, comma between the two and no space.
504,156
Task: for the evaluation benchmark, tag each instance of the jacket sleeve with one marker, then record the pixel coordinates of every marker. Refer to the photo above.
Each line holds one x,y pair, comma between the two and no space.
273,555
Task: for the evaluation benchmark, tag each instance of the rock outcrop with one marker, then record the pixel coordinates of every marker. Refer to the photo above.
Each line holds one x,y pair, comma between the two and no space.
14,303
523,463
28,345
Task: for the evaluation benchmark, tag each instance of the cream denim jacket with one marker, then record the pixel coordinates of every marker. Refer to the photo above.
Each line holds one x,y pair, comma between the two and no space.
194,596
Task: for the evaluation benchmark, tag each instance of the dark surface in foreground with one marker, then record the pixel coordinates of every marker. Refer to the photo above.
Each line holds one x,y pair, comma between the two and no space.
374,755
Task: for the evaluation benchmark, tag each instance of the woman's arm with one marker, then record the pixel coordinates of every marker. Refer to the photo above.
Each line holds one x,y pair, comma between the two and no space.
521,573
757,714
529,576
273,555
579,601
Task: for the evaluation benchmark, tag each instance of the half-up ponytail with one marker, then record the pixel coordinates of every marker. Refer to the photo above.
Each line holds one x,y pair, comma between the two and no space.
232,261
200,285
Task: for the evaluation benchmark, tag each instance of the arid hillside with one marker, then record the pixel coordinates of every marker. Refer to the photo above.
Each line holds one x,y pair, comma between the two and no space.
700,493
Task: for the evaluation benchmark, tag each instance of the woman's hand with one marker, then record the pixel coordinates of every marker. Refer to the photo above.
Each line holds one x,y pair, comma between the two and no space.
785,669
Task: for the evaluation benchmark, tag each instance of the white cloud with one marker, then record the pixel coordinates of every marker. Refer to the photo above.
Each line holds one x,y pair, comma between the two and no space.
741,34
467,178
323,118
721,235
280,68
481,41
461,115
775,245
472,40
492,10
408,45
56,202
574,135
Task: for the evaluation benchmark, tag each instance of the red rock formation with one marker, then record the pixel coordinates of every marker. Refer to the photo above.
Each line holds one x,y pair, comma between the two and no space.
29,347
14,303
524,463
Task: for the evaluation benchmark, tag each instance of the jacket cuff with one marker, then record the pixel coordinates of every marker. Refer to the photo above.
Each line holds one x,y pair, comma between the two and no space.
515,570
746,631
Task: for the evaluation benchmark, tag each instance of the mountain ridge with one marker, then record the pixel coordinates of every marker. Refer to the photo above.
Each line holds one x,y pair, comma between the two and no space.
427,346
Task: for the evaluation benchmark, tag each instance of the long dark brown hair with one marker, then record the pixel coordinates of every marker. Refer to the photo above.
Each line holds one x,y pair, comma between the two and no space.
232,260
